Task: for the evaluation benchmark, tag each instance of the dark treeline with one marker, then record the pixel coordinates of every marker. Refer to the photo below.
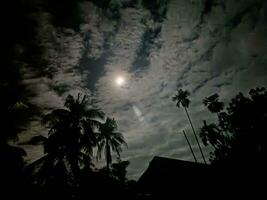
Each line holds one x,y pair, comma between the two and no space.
67,169
240,131
238,141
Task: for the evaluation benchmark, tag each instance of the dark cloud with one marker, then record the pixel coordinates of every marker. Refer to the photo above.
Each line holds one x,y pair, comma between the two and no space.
254,7
148,41
157,8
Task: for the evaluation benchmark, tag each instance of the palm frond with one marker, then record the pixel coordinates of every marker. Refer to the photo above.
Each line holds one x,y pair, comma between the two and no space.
94,113
109,140
181,98
93,123
53,118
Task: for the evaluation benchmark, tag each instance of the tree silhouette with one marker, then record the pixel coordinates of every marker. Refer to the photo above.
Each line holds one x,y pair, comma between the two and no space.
181,98
109,140
118,170
71,138
213,104
240,131
11,156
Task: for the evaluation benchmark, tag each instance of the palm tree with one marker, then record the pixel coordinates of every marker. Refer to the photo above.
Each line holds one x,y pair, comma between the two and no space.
181,98
213,104
71,135
213,135
210,133
109,140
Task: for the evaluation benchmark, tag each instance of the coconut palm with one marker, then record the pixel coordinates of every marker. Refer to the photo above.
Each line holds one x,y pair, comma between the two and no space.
71,135
109,139
181,99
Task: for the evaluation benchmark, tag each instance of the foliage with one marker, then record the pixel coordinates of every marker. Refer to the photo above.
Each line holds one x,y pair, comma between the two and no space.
11,156
67,166
213,104
71,139
181,98
109,139
118,170
240,132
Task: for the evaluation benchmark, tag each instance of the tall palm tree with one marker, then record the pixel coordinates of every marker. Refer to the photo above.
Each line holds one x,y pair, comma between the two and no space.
181,98
71,135
109,140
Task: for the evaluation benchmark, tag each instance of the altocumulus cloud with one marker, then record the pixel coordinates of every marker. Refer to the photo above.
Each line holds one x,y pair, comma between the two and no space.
205,48
202,52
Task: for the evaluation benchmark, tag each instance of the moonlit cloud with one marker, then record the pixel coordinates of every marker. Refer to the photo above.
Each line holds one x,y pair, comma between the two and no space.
203,58
220,49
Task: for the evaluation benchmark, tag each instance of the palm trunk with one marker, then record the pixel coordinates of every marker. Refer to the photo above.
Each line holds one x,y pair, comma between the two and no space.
190,147
195,135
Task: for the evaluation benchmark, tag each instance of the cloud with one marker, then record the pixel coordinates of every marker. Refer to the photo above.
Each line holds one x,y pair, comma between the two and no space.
48,83
213,57
205,49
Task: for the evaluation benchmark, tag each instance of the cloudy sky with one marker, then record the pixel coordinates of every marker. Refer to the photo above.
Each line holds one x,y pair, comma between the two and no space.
204,46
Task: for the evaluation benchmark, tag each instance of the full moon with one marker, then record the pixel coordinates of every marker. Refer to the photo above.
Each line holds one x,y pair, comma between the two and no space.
120,81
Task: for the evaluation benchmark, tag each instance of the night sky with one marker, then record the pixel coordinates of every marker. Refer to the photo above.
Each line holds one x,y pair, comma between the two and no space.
131,56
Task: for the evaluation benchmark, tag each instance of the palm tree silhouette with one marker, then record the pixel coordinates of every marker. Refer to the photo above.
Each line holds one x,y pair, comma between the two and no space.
213,104
210,133
109,139
71,135
181,98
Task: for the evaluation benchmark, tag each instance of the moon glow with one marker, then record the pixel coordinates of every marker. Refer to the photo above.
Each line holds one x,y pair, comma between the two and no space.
120,81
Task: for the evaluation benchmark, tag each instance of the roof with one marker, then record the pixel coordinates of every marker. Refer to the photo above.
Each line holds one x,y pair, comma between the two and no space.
169,175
